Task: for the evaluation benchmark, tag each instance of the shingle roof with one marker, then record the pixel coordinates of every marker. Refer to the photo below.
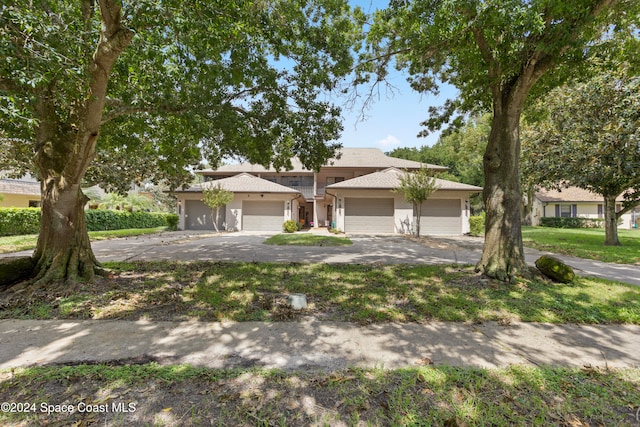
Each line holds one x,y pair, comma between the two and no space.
243,183
390,179
349,158
570,194
18,186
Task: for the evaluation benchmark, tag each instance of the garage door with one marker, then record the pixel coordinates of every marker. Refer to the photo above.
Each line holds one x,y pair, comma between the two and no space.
262,216
368,215
197,216
441,216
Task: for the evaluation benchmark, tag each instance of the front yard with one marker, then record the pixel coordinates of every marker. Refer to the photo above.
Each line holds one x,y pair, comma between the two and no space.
25,242
421,396
364,293
141,392
584,243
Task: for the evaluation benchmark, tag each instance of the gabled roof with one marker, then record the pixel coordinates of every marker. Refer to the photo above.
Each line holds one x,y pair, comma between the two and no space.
571,194
389,179
243,183
19,186
349,158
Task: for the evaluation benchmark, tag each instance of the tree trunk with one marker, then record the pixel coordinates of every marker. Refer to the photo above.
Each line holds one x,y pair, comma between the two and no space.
419,214
503,254
610,222
65,146
63,255
215,219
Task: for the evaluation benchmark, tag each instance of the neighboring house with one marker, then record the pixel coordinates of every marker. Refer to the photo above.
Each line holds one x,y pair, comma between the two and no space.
19,193
574,202
352,193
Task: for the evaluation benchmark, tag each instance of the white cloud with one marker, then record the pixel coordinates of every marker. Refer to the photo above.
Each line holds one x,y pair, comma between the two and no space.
389,141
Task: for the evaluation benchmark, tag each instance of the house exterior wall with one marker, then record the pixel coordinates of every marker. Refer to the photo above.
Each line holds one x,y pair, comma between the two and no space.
233,210
404,220
583,210
403,211
18,200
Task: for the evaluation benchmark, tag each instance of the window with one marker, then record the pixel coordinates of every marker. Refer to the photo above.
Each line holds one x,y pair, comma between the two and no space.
334,179
34,203
567,211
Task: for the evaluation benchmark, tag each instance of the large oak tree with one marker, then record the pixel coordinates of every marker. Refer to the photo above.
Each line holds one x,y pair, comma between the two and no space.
110,91
496,53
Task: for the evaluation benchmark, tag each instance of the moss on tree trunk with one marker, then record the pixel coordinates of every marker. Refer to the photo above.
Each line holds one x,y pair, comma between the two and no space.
63,254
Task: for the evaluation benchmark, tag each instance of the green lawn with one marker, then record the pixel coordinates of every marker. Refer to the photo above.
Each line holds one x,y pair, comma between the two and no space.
26,242
307,239
418,396
584,243
214,291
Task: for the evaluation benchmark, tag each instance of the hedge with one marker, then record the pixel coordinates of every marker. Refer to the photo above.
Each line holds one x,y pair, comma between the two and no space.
561,222
17,221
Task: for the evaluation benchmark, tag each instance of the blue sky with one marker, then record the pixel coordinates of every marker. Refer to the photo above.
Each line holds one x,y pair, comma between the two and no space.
393,120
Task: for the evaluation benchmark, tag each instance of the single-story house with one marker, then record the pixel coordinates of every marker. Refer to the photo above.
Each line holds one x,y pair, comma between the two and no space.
19,193
353,192
574,202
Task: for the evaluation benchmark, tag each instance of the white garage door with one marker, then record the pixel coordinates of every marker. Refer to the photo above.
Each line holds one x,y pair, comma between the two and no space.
197,216
441,216
262,216
368,215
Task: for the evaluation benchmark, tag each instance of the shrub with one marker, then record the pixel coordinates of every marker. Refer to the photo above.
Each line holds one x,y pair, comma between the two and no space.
17,221
290,226
476,225
560,222
172,221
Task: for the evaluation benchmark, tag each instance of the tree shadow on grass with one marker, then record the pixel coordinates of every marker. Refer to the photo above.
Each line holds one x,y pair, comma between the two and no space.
439,395
362,293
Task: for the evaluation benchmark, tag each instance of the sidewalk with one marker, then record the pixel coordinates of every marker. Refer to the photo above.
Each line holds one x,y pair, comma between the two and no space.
313,344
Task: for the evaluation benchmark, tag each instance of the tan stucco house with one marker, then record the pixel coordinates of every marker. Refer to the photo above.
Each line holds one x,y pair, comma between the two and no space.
19,193
353,193
574,202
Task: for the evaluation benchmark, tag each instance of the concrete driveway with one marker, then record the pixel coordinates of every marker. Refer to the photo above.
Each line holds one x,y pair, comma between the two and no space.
250,247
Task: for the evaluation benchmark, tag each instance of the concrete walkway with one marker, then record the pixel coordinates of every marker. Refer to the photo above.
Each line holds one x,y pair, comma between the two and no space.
313,344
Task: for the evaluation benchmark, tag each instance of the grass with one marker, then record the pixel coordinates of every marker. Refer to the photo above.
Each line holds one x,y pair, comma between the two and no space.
211,291
307,239
427,395
28,241
584,243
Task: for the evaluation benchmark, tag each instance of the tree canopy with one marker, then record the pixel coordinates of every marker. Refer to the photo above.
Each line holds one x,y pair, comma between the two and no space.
149,88
216,197
417,187
588,135
214,79
496,53
460,150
